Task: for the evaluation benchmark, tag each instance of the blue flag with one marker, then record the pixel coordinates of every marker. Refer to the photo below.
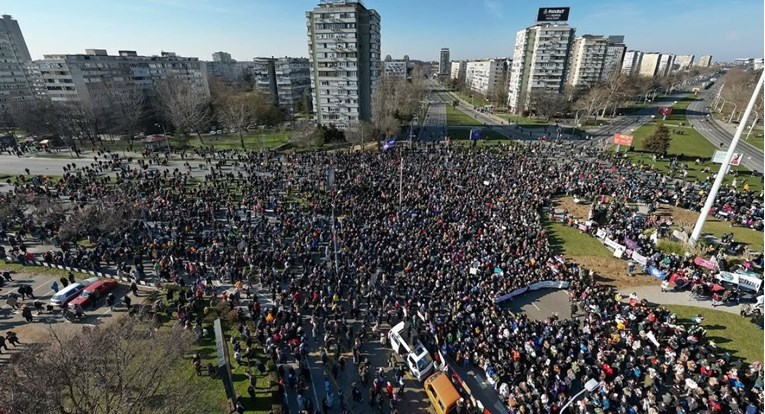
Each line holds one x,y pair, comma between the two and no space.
475,134
391,143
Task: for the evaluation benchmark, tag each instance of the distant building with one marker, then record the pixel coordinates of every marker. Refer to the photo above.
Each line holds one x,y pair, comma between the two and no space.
666,62
705,61
540,62
395,69
683,62
588,54
15,85
293,81
631,62
485,76
649,64
757,64
443,62
615,50
90,77
458,70
344,53
222,57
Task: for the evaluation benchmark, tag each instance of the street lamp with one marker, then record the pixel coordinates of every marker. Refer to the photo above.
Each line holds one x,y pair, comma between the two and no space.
164,133
589,386
735,107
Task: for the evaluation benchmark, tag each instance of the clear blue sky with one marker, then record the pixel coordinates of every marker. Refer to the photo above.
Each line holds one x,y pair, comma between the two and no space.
470,28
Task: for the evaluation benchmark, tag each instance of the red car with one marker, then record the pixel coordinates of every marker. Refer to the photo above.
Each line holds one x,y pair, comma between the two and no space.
93,292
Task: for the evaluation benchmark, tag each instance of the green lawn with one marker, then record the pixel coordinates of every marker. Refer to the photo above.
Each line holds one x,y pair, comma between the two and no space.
252,141
477,98
456,117
573,243
755,138
741,234
458,134
524,121
728,330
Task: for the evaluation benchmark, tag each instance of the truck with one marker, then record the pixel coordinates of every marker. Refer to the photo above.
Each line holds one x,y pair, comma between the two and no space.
414,353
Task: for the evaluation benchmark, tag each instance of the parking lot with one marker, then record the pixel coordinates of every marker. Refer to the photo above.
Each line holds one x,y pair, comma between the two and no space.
44,322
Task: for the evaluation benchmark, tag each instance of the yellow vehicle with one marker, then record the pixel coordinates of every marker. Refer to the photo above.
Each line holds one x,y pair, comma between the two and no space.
442,393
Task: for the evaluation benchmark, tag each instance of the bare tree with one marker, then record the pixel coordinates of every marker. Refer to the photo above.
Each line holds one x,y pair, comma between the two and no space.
124,368
590,102
395,102
127,111
188,110
547,104
304,134
360,133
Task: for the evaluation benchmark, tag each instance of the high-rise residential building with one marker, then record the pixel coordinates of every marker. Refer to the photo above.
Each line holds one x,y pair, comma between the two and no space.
614,56
15,85
344,51
486,76
395,69
666,61
90,78
293,81
683,62
631,62
264,77
458,70
443,63
588,55
222,57
540,62
705,61
649,64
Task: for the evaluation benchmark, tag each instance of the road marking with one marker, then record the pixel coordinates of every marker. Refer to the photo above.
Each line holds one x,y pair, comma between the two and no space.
535,305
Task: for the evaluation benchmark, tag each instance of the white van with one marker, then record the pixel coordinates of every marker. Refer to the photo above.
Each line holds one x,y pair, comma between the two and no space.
63,296
417,357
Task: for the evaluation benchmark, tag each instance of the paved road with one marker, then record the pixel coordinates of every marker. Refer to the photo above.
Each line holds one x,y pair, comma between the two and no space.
434,125
716,133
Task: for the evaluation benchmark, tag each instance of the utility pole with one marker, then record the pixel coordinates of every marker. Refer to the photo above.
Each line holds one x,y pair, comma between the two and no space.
725,165
401,181
719,91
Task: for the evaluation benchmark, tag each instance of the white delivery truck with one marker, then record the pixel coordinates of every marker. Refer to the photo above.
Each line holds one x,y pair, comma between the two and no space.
416,356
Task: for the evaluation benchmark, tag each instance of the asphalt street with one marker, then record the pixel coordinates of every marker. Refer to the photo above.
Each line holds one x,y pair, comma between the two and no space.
434,125
717,134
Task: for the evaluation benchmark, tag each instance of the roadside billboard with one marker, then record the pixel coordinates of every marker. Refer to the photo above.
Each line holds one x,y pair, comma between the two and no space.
665,111
620,139
553,14
719,157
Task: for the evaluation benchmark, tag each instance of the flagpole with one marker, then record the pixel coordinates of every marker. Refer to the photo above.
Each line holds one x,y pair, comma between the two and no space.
401,181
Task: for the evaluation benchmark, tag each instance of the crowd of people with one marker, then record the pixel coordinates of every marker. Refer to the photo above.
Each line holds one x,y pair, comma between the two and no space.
443,230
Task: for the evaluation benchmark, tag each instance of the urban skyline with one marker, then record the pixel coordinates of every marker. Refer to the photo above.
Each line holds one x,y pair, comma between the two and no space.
726,31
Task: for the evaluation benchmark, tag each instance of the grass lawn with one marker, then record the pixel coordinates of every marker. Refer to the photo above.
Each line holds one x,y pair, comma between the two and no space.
456,117
729,331
252,141
741,234
755,138
477,98
572,243
524,121
458,134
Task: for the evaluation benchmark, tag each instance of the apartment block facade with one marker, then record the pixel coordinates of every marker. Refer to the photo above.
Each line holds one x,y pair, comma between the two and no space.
683,62
588,54
666,62
444,68
395,69
15,85
458,70
485,76
649,64
88,78
344,55
631,62
615,51
540,62
705,61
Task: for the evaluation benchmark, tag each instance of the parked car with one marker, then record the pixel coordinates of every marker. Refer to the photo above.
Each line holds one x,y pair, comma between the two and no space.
91,294
63,296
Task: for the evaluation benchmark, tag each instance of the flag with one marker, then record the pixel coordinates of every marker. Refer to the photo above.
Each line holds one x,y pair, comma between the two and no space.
475,134
391,143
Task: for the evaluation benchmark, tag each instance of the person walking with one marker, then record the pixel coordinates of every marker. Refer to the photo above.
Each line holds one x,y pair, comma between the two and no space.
2,343
127,301
54,287
26,312
110,301
12,338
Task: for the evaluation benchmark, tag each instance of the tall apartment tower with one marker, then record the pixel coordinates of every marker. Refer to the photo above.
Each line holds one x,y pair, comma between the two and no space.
443,63
586,63
344,53
540,62
631,62
15,86
222,57
666,62
649,64
614,56
705,61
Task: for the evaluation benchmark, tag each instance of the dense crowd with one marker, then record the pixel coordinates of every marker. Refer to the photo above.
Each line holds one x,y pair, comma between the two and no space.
442,230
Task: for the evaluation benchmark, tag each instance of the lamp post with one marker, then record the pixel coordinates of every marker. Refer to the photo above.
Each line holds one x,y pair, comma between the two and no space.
589,386
164,134
725,165
735,108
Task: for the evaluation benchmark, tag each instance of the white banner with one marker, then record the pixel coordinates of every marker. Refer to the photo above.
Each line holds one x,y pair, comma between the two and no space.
743,281
549,284
512,294
614,245
719,157
601,233
639,258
